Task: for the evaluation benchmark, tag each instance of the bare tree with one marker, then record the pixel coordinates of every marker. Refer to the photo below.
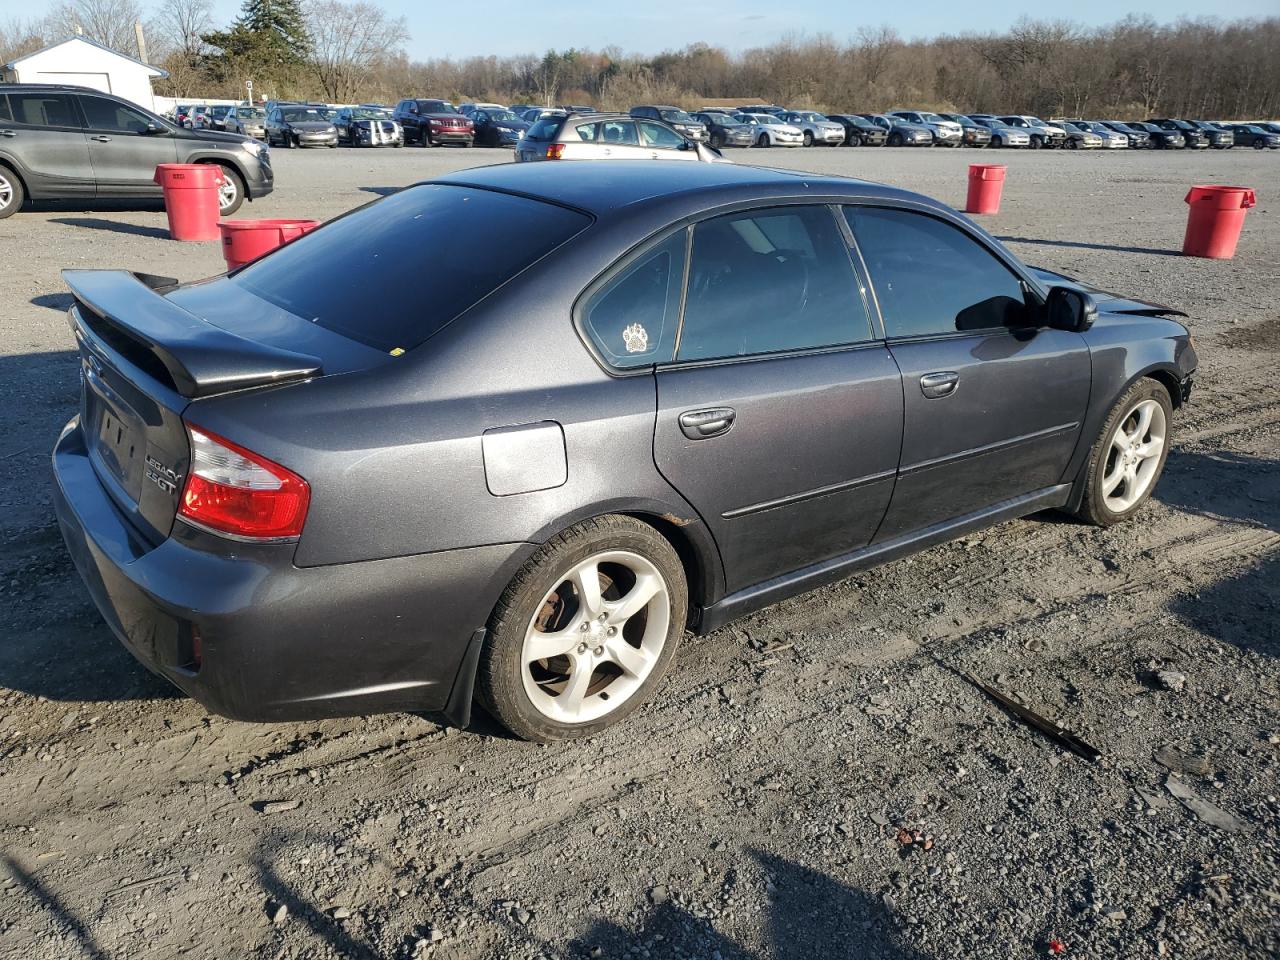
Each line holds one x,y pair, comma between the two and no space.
177,27
349,41
19,37
109,22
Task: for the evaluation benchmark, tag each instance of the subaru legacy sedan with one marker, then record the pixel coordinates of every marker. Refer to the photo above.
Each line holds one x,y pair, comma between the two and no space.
676,394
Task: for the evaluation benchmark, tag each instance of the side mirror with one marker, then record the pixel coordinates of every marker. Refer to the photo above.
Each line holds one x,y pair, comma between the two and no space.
1070,309
154,128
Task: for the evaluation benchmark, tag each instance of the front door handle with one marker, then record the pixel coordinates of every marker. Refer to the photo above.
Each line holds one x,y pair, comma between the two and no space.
101,139
935,386
704,424
8,133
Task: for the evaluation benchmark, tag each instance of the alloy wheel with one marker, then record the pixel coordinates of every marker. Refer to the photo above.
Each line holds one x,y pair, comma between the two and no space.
6,191
1134,455
595,637
228,191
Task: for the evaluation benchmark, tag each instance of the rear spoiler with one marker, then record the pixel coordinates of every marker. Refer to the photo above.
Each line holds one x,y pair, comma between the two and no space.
198,357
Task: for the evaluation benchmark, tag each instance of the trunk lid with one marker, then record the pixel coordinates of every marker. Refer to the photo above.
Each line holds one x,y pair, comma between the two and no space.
143,359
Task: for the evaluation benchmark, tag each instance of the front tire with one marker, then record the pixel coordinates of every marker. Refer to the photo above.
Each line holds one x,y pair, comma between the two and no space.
1129,455
895,140
1037,143
585,631
808,139
12,196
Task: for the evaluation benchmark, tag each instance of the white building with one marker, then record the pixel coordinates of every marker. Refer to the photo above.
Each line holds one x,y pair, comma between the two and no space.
85,63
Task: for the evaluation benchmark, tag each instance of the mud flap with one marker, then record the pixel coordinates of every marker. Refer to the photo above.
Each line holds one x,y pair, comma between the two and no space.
458,710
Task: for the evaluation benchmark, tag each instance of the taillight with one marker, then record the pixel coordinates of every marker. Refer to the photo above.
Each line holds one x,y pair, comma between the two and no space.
234,491
555,151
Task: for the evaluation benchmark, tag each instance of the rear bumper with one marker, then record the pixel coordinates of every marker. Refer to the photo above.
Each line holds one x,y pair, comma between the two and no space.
275,641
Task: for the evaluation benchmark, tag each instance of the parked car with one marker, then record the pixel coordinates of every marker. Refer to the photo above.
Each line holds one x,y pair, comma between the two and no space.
198,118
182,114
772,109
467,109
946,133
974,133
769,131
66,143
432,123
901,133
368,125
534,114
578,108
1139,139
1003,135
1109,139
519,108
300,126
1253,135
674,117
1268,125
1161,139
815,128
249,121
1192,136
607,136
1220,138
1080,137
859,131
577,527
497,127
1043,135
723,130
215,117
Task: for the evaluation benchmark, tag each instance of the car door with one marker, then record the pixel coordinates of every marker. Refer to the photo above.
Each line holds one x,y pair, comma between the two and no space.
125,146
46,139
780,417
663,143
993,402
620,140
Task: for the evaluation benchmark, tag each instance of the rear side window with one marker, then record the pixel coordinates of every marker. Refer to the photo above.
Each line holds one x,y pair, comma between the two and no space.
767,281
932,278
5,115
544,129
587,131
621,132
456,242
632,318
44,109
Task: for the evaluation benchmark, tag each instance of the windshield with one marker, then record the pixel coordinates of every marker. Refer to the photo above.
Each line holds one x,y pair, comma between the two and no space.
935,118
675,116
436,106
251,113
219,111
432,230
302,116
369,113
501,116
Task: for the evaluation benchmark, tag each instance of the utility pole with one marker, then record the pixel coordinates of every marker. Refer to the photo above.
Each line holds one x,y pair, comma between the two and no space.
142,40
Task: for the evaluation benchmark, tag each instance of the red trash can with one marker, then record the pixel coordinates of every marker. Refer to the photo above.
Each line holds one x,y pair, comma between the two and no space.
245,240
986,182
191,198
1213,225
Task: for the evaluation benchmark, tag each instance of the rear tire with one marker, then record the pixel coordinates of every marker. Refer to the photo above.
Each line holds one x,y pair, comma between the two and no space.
602,659
808,139
1129,455
895,140
12,195
763,141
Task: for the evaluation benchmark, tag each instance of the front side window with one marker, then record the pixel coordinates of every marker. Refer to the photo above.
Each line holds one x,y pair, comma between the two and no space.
932,278
632,318
656,135
5,115
44,109
770,280
103,114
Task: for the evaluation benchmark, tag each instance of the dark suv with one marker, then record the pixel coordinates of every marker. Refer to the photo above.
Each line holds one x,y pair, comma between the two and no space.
433,122
59,142
675,118
1193,137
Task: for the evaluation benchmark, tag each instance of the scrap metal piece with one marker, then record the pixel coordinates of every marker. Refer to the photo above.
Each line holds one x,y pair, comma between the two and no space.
1063,737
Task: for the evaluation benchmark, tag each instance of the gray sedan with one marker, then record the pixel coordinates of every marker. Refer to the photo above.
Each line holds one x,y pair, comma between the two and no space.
662,403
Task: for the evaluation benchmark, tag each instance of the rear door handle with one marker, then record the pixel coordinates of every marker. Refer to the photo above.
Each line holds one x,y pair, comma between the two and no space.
704,424
101,139
935,386
8,133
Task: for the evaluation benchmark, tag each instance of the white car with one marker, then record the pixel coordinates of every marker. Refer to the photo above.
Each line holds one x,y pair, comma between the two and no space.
1111,139
769,131
815,128
608,136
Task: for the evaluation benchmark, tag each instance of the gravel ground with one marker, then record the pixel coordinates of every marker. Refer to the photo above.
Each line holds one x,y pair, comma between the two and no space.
814,781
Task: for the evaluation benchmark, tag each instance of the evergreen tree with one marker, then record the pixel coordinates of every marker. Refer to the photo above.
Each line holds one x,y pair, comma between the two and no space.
281,26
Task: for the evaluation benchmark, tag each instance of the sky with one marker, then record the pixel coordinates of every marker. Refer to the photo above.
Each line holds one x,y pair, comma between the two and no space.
505,27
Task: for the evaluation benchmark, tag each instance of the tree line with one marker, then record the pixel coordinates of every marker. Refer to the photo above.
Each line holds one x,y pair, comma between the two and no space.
354,51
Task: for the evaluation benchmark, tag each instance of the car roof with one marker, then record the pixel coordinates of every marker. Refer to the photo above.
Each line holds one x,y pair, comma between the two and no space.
606,187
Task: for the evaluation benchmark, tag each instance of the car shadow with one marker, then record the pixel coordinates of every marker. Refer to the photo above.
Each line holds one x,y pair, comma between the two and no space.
381,191
1154,251
114,226
98,205
54,301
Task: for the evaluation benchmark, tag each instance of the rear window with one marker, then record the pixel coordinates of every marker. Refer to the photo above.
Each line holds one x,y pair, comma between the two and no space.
456,243
544,129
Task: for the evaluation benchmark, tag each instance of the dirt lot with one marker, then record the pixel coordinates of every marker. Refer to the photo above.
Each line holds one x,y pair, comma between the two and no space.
754,810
